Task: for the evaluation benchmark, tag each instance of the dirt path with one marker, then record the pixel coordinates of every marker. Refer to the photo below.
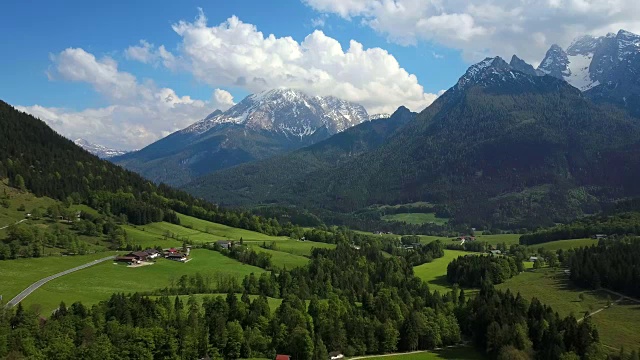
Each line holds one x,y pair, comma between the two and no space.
4,227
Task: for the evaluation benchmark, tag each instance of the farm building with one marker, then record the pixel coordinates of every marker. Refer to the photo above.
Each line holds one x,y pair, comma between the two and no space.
533,259
496,252
177,257
127,259
152,253
335,355
225,244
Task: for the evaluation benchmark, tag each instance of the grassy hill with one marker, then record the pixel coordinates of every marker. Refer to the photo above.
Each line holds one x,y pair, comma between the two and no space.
97,283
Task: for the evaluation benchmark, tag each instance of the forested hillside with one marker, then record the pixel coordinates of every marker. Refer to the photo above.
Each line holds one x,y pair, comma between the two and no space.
269,181
35,158
501,148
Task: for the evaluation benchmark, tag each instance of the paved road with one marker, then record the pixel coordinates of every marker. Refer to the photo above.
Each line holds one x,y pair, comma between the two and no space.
4,227
13,302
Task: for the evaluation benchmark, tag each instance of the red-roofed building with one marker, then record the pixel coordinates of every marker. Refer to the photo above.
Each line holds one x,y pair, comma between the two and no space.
283,357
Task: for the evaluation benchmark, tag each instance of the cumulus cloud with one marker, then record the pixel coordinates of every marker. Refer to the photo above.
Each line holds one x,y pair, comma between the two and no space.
488,27
235,53
139,114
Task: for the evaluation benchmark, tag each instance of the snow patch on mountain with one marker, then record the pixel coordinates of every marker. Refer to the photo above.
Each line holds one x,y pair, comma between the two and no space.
288,111
99,150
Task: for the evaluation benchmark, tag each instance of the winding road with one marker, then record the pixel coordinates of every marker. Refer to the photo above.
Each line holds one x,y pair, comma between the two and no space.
13,302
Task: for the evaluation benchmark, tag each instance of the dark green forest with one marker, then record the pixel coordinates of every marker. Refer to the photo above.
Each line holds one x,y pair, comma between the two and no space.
613,264
473,271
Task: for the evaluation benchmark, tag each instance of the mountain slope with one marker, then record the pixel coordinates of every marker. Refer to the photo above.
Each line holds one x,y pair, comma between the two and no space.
35,158
260,126
100,151
501,147
265,181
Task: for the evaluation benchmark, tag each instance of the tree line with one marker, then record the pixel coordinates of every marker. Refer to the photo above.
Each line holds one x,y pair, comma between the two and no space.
473,270
613,264
619,224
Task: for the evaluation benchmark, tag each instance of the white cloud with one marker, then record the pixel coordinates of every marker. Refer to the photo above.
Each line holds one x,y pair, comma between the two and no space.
142,52
489,27
235,53
139,114
318,22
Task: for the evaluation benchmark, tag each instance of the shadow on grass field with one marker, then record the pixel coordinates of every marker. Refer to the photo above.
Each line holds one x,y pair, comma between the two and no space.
457,353
618,325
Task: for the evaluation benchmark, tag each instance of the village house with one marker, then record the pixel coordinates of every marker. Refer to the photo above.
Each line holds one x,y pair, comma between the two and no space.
599,236
283,357
335,355
225,244
127,259
140,255
176,256
496,252
152,253
533,258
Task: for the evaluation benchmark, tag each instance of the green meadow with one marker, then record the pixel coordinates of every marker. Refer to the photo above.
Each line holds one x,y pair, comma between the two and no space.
435,272
220,231
98,282
20,273
295,247
457,353
618,325
282,259
416,218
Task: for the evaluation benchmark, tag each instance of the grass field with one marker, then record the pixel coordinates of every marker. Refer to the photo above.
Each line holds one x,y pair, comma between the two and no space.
464,353
416,218
435,272
618,325
300,248
99,282
20,273
566,244
282,259
149,238
225,232
496,239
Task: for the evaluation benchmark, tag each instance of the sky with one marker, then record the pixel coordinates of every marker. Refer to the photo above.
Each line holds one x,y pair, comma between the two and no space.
126,73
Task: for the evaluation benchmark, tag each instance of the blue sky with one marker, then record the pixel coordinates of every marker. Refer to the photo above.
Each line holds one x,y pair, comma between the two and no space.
106,28
81,67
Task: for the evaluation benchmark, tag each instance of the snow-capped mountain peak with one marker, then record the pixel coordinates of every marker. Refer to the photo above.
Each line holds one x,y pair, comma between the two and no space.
288,111
99,150
590,61
491,71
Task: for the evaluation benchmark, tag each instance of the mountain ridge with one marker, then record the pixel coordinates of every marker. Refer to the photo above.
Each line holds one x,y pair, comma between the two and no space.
100,151
260,126
497,138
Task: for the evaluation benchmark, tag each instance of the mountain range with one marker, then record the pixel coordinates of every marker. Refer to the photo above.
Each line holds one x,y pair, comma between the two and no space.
100,151
260,126
605,68
504,146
